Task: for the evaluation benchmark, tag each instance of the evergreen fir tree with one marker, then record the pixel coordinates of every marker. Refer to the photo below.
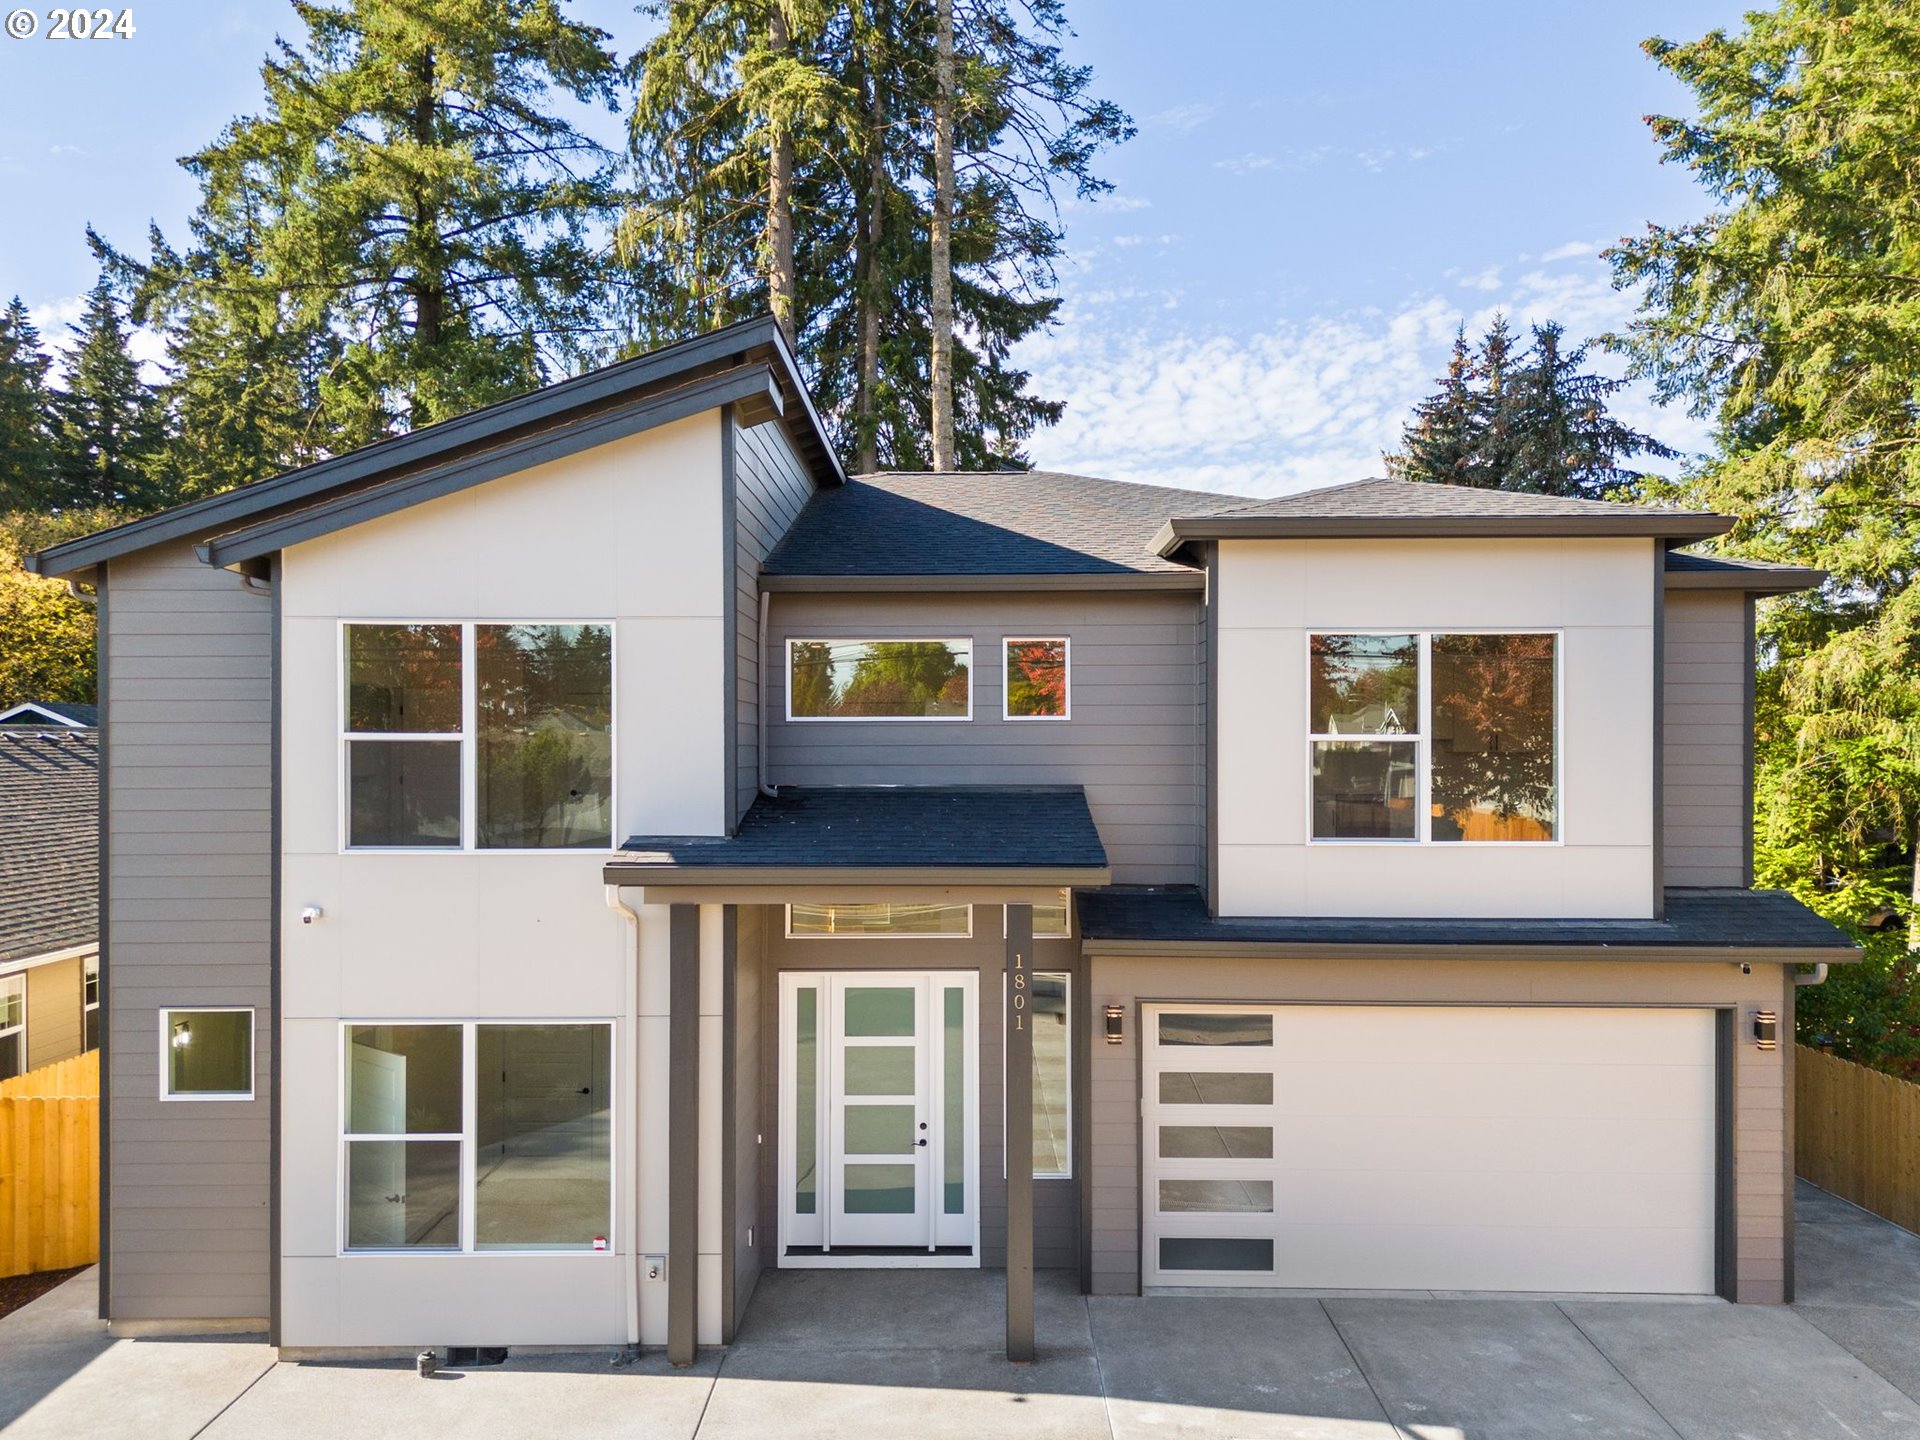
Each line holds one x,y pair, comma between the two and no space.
1562,440
407,222
26,444
1440,442
1496,446
108,431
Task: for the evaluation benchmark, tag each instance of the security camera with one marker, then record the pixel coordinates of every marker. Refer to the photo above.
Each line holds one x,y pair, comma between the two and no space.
310,914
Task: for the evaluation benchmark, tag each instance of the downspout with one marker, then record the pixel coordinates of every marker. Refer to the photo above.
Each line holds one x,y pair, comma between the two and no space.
73,589
1817,977
620,907
772,792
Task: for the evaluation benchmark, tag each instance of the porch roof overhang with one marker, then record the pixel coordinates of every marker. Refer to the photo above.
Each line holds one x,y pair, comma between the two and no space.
1712,926
976,841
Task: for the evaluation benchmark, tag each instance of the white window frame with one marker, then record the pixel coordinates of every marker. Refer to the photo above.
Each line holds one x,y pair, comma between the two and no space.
1066,978
786,680
1066,934
167,1093
466,737
1422,740
1066,665
90,970
792,934
468,1141
7,982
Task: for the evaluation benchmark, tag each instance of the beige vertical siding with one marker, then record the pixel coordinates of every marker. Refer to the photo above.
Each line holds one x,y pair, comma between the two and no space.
770,487
1762,1193
53,1012
1056,1203
1707,784
188,669
1136,739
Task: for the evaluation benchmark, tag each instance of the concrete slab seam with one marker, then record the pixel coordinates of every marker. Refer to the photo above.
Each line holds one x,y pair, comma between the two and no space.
1644,1397
1361,1371
214,1419
1099,1370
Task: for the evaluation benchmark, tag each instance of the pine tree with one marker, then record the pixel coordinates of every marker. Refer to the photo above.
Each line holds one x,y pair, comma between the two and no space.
855,94
108,432
407,223
1561,439
1491,467
26,444
1440,443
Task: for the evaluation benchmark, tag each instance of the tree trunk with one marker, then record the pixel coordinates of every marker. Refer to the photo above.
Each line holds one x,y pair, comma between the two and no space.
868,300
942,236
780,281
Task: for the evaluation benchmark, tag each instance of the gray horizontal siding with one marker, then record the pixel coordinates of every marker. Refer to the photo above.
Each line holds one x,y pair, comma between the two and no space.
1706,748
187,664
1136,739
770,488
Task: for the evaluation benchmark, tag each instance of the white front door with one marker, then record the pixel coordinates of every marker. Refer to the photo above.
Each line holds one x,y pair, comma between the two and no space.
878,1116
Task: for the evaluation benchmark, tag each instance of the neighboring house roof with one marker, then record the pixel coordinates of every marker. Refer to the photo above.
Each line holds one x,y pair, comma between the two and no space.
1037,835
51,712
1058,529
749,365
1724,572
1699,924
1381,509
49,841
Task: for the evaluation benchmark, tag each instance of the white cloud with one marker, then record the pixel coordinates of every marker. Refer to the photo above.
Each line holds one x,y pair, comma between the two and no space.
1246,164
55,320
1296,404
1181,119
1123,204
1572,250
1487,279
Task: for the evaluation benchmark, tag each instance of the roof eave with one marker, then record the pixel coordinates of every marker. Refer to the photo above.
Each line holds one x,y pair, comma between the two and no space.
1054,877
759,337
1675,527
1782,581
1417,951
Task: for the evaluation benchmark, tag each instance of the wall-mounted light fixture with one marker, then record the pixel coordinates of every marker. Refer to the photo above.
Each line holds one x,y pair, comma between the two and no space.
1115,1024
1766,1030
182,1034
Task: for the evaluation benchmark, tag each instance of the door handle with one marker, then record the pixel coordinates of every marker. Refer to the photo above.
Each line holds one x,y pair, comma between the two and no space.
584,1090
920,1142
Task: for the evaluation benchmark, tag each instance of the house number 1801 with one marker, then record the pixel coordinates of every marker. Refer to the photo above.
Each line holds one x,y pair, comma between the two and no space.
1019,991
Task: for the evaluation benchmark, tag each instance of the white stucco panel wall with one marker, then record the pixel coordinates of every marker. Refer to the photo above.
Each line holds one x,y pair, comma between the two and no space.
1597,594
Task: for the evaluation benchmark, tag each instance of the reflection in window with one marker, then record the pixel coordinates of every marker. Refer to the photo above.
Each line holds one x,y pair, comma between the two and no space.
1493,737
544,1163
1364,790
1365,685
879,917
544,721
404,1131
1036,679
90,1004
403,680
1052,1076
209,1054
13,1026
1216,1028
879,679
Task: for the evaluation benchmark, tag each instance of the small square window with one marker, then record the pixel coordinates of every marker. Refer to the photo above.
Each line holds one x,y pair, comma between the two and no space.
206,1054
1036,676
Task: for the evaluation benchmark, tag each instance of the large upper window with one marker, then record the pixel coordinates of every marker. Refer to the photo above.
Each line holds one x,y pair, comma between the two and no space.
1438,738
489,737
1035,677
879,679
526,1164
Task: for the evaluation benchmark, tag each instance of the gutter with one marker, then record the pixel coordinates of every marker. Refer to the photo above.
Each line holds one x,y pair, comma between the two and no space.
1818,976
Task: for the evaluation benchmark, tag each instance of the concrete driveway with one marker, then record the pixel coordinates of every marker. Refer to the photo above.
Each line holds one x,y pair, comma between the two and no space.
851,1354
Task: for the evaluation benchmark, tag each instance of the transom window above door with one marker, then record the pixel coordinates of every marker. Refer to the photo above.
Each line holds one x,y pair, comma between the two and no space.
477,736
1435,738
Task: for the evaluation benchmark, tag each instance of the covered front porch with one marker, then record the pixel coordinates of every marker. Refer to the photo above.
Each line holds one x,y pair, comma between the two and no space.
858,997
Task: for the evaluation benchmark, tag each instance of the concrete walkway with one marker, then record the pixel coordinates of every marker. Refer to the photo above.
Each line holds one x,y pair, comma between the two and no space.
837,1354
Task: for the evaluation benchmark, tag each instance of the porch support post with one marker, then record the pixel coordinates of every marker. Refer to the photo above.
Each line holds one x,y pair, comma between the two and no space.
1019,1042
683,1130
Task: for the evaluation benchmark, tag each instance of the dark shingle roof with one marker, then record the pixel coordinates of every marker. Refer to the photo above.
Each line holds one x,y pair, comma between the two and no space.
983,827
1725,572
1036,522
1404,507
1695,920
49,840
59,712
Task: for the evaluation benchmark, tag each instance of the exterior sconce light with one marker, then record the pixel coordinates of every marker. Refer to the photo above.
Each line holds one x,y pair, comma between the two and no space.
182,1034
1766,1030
1115,1031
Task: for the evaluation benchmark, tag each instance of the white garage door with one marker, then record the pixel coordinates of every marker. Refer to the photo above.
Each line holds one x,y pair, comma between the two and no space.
1429,1148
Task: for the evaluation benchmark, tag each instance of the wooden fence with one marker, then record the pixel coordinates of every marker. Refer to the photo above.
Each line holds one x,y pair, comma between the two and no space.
1857,1133
50,1167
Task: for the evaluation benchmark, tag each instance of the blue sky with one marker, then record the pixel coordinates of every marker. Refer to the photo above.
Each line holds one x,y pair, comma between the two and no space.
1317,194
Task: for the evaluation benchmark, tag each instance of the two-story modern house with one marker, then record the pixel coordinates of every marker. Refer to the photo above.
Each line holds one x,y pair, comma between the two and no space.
566,861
